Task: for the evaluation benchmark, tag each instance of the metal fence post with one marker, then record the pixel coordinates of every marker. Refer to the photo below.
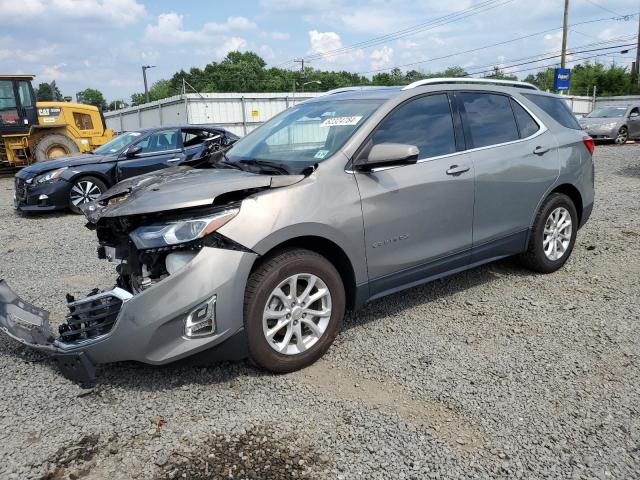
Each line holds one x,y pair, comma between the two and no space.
160,113
186,110
244,115
121,124
139,118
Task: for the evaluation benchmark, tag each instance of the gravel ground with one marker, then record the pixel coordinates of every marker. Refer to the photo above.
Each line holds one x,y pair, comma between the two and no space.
495,372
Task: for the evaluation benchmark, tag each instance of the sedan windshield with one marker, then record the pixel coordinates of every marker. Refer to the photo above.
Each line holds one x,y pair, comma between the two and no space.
608,112
118,144
303,135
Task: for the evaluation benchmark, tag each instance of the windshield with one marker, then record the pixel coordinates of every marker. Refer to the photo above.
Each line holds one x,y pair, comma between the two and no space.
608,112
118,144
303,135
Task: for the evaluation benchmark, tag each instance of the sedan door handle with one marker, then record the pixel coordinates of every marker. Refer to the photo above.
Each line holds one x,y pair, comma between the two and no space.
457,169
540,150
174,160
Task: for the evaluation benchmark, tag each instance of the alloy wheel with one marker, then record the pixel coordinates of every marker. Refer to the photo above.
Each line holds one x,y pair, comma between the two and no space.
297,313
557,234
84,191
622,136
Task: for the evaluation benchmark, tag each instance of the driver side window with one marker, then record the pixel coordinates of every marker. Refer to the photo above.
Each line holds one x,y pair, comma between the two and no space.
160,142
425,122
634,112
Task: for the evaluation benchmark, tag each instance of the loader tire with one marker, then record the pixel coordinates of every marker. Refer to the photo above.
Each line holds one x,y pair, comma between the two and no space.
52,146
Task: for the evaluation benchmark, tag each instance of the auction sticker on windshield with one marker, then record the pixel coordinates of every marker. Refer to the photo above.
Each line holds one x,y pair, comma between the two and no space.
341,121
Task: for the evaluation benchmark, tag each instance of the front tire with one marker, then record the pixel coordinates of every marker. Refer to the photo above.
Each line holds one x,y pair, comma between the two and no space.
553,235
622,137
54,145
85,190
293,310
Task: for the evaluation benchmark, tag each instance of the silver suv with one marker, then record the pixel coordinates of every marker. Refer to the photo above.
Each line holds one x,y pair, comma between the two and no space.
335,202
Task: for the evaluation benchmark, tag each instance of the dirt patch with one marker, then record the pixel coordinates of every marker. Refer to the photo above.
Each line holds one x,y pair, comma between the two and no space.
630,171
446,424
256,454
77,457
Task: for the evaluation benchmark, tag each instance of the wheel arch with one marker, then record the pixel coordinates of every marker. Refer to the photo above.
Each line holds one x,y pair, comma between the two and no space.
574,194
328,249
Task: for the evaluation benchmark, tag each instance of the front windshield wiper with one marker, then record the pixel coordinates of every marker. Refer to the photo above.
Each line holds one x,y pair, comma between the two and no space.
277,167
224,161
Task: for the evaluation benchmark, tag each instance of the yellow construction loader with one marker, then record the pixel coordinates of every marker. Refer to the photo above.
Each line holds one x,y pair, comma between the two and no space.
33,131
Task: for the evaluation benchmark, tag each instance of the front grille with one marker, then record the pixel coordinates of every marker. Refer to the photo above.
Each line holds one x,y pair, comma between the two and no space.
21,189
92,316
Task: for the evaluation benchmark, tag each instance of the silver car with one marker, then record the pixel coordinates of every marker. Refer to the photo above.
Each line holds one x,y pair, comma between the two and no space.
335,202
613,123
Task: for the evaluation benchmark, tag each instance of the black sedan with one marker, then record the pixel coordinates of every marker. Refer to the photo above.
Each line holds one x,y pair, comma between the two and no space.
70,182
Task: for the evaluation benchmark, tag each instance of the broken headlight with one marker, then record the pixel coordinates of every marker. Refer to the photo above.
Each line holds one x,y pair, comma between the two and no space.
179,231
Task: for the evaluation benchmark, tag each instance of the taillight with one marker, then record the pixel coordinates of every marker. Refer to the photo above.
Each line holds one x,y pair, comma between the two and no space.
589,143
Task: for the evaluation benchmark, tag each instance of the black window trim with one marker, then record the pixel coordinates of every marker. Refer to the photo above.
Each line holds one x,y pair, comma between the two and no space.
467,134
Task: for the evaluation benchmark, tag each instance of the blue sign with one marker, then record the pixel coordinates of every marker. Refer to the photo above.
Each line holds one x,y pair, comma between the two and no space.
561,77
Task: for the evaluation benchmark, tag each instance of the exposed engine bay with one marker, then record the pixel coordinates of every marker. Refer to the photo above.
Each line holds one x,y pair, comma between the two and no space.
139,269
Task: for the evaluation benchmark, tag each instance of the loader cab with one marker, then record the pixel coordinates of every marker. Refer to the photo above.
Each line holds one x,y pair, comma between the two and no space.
17,104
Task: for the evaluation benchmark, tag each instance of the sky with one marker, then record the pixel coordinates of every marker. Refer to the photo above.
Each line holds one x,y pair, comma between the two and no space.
103,43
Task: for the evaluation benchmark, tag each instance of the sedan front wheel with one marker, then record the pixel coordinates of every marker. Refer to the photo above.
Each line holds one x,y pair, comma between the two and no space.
85,190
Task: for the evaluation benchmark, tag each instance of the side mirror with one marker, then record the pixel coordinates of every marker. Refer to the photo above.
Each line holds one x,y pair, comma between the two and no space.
133,151
387,155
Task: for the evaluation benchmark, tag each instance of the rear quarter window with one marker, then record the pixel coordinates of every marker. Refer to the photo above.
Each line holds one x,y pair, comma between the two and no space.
556,108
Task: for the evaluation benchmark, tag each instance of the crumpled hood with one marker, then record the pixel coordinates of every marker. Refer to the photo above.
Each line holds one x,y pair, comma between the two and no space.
176,188
74,161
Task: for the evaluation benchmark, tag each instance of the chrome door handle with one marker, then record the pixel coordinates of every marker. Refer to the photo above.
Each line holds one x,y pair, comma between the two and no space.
457,169
174,160
540,150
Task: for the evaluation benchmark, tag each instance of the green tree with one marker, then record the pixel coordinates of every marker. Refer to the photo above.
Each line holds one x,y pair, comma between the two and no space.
498,74
48,92
92,96
117,104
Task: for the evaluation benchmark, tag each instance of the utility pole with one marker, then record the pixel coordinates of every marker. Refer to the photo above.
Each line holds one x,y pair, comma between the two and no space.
144,77
301,62
565,27
637,69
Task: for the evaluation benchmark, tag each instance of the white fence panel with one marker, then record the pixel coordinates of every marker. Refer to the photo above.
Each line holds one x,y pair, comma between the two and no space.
240,113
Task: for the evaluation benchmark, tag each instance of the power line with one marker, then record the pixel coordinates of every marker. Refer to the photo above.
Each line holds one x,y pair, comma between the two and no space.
555,56
419,28
504,42
601,7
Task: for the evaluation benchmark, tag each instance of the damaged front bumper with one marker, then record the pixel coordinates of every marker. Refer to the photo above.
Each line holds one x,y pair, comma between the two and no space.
149,326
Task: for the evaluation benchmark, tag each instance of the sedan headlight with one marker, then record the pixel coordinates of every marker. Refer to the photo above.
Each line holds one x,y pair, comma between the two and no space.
50,176
180,231
607,125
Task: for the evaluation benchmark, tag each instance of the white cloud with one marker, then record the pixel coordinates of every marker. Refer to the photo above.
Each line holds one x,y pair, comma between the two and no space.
327,42
221,48
54,72
279,35
116,12
304,6
381,57
266,52
169,30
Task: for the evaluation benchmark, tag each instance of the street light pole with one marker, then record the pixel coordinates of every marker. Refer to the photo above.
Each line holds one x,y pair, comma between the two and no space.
144,77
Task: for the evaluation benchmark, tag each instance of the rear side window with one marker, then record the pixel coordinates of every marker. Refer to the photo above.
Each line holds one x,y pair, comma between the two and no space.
424,122
526,124
557,109
488,118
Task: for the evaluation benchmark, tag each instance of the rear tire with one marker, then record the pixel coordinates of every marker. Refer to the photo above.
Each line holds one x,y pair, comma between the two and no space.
553,235
54,145
84,190
287,331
